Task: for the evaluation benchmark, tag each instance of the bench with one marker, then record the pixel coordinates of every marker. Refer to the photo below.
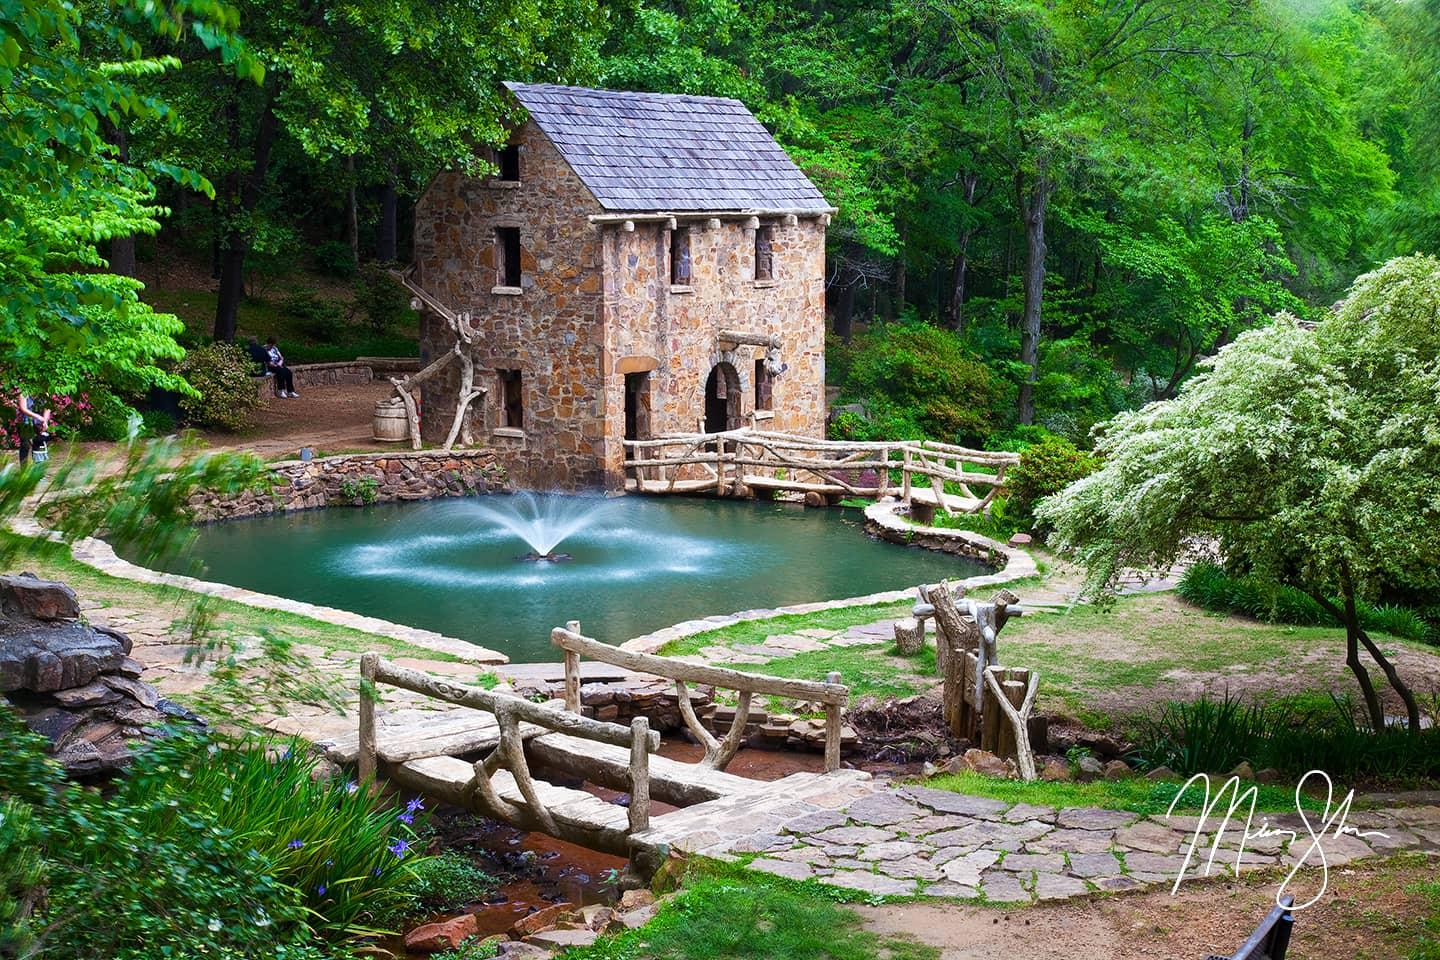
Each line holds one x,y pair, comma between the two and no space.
1271,939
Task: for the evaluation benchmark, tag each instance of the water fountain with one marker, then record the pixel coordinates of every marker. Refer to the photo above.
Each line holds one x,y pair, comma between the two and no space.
543,521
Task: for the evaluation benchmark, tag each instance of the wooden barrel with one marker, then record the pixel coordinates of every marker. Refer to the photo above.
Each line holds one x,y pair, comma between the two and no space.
390,423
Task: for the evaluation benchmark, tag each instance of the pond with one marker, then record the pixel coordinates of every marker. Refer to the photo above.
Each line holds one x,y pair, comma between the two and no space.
636,564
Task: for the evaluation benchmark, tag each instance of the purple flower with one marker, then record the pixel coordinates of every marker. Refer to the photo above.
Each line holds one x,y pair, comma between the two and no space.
375,872
414,805
320,890
351,787
406,819
399,848
295,844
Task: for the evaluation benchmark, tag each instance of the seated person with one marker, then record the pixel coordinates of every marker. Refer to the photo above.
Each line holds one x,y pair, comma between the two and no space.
275,363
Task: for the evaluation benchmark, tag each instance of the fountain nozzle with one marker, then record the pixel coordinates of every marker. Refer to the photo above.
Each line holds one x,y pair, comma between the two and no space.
551,557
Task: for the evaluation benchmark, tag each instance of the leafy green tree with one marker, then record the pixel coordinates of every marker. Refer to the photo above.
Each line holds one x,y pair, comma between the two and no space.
1308,458
65,322
370,85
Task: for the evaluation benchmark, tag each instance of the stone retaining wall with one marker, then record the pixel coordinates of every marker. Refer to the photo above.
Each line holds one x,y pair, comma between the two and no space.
357,479
320,374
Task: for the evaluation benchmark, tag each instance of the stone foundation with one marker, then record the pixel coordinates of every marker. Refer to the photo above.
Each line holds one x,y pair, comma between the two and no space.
359,479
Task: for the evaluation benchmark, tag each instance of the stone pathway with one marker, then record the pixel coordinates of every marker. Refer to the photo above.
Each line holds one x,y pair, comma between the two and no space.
913,840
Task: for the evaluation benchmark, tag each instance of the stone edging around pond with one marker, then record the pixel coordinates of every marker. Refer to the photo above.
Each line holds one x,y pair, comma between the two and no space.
99,555
362,478
1015,565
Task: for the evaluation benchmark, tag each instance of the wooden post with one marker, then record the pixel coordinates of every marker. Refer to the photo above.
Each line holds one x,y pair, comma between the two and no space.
1018,718
832,728
909,636
572,672
905,477
367,760
639,774
1013,687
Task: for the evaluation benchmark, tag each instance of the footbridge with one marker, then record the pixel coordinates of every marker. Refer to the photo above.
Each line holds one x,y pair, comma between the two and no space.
492,755
750,462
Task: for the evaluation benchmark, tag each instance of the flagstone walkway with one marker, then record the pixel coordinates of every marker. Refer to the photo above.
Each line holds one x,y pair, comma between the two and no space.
913,840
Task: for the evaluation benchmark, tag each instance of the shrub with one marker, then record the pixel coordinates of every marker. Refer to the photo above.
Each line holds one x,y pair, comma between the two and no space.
1207,585
449,881
385,303
221,374
157,423
334,258
350,860
1045,468
1205,736
201,849
322,321
914,373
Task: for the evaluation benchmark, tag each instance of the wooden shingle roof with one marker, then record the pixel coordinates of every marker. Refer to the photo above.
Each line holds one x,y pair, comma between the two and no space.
668,152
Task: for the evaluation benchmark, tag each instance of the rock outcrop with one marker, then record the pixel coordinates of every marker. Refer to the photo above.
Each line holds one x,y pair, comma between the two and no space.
72,682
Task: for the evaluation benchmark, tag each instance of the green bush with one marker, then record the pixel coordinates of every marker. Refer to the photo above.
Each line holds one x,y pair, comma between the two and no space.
221,373
350,860
1209,736
912,373
200,850
322,321
1045,468
109,419
449,881
157,423
334,258
385,303
1207,585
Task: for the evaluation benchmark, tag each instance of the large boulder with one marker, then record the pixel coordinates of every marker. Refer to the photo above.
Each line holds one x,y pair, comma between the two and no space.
27,596
72,682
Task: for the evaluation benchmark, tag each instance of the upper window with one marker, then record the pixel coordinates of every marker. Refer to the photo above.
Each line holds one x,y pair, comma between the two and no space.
507,251
680,256
508,159
764,254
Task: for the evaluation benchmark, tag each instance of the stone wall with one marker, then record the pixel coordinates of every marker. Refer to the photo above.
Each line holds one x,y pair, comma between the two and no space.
361,478
550,327
677,327
319,374
595,304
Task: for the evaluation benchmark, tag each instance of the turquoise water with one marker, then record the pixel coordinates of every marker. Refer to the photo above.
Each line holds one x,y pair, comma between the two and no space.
639,564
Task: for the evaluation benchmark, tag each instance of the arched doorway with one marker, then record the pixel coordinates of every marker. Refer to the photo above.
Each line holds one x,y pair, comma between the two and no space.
722,399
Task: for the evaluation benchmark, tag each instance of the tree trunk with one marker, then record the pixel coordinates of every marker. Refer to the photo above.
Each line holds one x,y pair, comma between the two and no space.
1035,203
844,311
122,249
898,306
243,196
352,212
386,248
957,284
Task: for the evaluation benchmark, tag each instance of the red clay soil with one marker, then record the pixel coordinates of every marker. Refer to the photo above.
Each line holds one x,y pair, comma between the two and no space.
329,419
1370,910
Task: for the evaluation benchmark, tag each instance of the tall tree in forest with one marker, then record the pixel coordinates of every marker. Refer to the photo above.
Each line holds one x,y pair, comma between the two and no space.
66,322
370,83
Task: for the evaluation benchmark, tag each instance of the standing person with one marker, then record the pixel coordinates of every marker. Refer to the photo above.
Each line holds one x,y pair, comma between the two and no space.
275,363
32,425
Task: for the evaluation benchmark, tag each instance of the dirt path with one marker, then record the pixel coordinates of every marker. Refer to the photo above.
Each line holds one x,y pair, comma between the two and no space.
1371,910
329,419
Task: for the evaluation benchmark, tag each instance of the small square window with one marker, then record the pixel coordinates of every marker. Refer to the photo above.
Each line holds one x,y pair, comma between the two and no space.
508,159
680,256
512,397
764,386
507,251
764,253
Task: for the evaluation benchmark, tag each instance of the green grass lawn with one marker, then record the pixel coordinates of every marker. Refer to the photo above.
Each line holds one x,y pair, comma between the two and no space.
755,631
1136,795
725,912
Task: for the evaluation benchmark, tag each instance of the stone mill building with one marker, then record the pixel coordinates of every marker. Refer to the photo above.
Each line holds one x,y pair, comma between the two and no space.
642,264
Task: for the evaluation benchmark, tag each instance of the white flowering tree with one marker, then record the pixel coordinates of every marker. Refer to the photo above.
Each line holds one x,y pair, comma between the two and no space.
1310,458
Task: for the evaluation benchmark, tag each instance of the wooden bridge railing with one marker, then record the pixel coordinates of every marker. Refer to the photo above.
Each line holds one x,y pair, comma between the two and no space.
509,753
761,459
718,753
